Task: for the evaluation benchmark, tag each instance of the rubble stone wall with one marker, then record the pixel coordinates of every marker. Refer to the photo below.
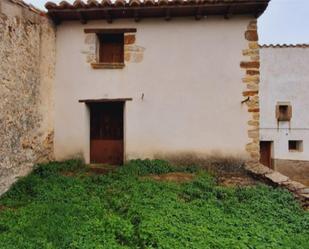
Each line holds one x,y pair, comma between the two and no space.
27,52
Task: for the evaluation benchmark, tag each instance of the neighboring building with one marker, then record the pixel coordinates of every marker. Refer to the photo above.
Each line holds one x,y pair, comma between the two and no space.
152,79
284,103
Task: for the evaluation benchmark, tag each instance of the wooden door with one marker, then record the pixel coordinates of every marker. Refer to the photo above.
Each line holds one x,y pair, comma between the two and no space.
265,152
106,133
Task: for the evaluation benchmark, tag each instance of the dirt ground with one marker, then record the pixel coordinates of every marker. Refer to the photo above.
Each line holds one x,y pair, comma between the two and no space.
295,170
225,176
92,169
235,180
299,175
224,179
172,177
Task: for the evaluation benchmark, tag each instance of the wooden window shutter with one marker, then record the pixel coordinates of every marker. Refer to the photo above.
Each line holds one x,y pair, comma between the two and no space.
283,112
289,113
111,48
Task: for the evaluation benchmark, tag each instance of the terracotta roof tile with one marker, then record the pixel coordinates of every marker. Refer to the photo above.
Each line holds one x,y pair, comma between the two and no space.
94,9
96,3
284,46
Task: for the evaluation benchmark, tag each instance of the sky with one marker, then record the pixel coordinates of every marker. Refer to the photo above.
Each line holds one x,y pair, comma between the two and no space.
284,21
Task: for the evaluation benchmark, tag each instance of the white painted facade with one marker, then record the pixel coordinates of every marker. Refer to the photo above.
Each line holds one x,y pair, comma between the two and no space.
190,76
285,78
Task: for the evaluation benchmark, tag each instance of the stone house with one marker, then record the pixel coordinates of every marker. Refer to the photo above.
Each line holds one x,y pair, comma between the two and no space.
109,82
284,127
149,79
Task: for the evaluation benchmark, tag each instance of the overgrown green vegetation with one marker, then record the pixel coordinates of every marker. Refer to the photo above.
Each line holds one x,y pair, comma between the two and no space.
53,209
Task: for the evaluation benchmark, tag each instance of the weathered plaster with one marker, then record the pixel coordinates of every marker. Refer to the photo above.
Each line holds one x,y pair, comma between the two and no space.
27,52
184,78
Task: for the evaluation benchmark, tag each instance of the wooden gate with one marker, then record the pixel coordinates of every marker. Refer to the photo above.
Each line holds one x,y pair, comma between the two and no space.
106,133
265,152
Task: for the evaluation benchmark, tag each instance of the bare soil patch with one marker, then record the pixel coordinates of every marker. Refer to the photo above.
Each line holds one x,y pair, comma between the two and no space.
101,169
98,171
226,179
91,169
178,177
228,171
2,208
235,180
68,173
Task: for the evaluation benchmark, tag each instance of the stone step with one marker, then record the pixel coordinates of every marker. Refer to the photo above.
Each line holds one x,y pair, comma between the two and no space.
300,191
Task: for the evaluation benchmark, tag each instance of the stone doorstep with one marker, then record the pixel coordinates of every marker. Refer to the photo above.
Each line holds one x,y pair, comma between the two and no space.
300,191
277,177
258,169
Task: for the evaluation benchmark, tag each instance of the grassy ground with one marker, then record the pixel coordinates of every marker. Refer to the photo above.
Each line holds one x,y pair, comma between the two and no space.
62,206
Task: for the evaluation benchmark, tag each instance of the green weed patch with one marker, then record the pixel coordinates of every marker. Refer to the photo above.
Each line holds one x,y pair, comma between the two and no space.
50,209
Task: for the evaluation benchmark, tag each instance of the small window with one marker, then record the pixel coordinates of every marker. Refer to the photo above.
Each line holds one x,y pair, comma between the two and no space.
109,47
283,112
111,50
295,145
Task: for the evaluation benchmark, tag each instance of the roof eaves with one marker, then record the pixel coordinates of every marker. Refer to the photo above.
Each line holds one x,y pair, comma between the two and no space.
94,9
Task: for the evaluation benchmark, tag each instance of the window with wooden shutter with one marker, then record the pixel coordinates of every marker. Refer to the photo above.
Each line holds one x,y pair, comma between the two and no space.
283,112
111,49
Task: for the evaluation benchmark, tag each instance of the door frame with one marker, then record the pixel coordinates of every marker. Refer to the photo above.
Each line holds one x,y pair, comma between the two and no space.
271,153
106,148
87,103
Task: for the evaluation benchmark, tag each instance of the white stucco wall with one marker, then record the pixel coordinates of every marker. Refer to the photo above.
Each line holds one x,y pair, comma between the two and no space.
285,78
190,77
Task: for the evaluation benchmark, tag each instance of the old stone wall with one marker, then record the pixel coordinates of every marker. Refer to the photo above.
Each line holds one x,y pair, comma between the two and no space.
27,52
251,65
